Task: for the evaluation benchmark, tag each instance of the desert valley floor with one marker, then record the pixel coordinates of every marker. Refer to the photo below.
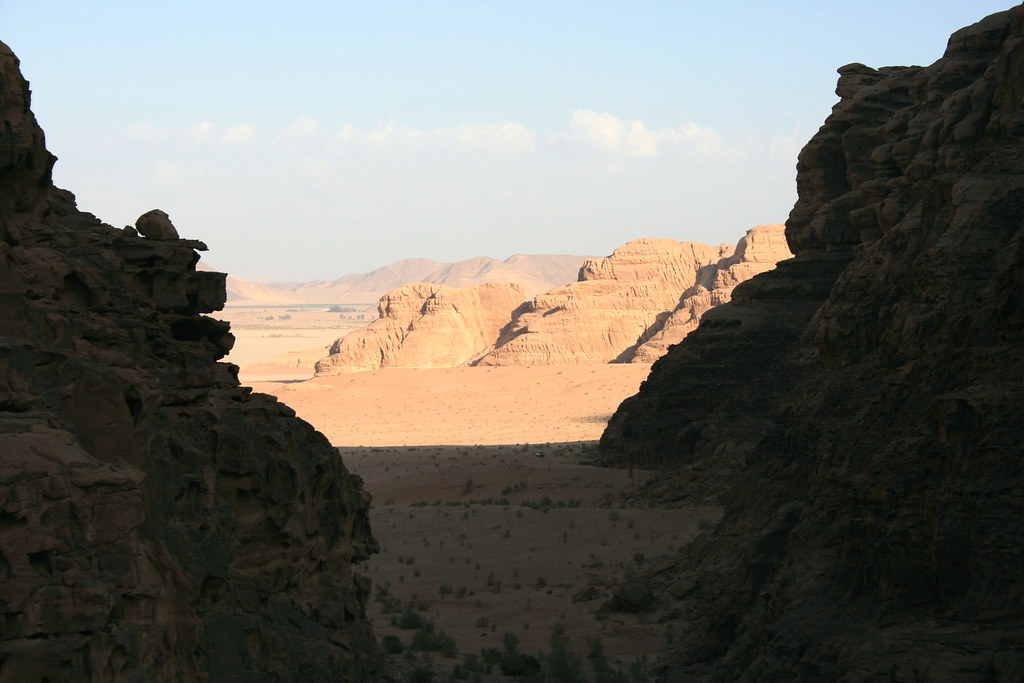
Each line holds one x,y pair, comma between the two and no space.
490,519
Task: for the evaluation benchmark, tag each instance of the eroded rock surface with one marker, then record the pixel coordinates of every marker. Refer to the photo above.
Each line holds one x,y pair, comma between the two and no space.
157,521
857,409
758,251
630,306
426,326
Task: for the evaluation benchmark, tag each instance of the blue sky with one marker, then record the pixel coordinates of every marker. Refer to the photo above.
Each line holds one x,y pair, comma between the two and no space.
326,138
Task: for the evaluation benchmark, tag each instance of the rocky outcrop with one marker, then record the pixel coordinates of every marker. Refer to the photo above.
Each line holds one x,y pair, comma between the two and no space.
758,251
622,303
857,409
426,326
534,273
157,521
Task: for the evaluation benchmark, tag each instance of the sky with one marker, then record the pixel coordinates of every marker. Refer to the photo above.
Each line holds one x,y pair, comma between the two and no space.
313,139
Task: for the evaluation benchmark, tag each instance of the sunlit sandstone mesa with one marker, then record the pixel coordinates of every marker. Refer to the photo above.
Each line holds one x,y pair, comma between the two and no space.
426,326
630,306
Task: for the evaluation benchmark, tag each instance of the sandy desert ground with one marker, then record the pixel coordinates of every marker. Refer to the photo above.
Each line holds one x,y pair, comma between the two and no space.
493,540
283,342
479,534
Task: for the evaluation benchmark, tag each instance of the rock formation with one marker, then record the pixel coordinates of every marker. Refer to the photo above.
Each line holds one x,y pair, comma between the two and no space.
157,521
426,326
624,301
534,273
758,251
858,409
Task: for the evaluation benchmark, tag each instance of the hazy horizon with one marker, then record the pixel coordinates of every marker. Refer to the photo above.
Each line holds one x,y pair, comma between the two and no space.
329,138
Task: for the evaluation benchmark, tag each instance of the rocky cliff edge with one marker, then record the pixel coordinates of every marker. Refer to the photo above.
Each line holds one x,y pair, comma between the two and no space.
157,521
858,409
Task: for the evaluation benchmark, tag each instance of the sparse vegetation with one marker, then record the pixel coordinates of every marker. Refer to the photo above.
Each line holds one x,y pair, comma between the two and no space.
472,558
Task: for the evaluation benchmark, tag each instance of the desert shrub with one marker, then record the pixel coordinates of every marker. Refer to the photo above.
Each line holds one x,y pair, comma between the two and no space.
429,640
638,669
510,641
391,645
519,664
389,603
471,663
445,589
410,619
421,674
563,665
491,658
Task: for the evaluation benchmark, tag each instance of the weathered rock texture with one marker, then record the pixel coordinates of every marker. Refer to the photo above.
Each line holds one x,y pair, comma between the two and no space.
625,301
858,409
157,521
426,326
758,251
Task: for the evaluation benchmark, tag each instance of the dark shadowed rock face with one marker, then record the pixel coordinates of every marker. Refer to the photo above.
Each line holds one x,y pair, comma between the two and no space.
157,521
858,409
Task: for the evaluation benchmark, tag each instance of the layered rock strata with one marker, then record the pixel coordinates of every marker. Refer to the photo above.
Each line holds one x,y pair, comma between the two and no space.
758,251
426,326
157,521
646,295
857,409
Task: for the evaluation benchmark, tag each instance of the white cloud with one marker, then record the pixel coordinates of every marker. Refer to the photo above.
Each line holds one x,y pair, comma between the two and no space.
318,168
303,127
147,132
240,135
167,172
199,132
503,138
630,138
390,134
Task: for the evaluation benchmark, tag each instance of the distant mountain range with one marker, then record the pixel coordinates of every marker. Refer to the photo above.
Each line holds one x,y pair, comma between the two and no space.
534,273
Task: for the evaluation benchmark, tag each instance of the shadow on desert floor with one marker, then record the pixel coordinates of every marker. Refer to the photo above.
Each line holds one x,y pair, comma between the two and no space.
484,541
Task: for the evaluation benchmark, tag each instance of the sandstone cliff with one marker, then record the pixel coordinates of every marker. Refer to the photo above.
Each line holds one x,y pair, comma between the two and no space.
157,521
857,409
624,301
758,251
426,326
